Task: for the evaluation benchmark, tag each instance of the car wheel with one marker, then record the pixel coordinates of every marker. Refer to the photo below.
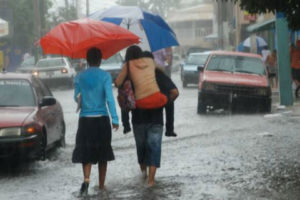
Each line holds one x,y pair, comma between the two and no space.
297,92
62,140
43,145
201,108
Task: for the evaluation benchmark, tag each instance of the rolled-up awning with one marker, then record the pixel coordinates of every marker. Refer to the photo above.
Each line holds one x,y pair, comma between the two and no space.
4,30
262,26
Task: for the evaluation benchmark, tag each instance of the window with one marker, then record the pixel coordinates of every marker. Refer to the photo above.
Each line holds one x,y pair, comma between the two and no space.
51,63
41,88
238,64
16,93
196,59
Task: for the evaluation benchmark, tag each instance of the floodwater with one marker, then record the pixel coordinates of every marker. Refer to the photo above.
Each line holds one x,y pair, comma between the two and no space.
215,156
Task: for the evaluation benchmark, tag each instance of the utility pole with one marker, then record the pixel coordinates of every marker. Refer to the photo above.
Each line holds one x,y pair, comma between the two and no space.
87,8
220,25
67,9
37,17
238,25
283,55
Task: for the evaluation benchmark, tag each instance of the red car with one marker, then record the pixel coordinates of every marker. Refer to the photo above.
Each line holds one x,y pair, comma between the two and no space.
234,79
31,120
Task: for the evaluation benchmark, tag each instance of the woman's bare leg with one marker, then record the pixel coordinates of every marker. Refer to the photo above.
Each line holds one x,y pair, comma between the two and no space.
102,167
144,170
86,171
151,180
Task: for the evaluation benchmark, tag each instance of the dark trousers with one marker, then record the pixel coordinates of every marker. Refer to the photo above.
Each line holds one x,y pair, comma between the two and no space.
169,108
125,118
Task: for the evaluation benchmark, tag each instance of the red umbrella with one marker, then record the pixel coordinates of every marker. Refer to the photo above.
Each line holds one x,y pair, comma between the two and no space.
74,38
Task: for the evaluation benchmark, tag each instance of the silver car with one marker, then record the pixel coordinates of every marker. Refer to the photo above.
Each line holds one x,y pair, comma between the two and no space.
53,71
112,65
189,69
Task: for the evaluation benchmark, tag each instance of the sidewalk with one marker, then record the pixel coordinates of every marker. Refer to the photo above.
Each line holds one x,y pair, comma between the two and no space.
277,108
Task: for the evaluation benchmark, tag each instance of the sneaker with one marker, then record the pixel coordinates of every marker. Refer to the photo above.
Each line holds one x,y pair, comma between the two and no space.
84,189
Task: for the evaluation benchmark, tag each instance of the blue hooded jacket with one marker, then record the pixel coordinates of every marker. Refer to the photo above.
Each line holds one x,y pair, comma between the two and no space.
95,87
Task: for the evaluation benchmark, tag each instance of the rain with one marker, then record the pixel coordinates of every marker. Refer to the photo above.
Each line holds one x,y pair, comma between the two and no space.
236,118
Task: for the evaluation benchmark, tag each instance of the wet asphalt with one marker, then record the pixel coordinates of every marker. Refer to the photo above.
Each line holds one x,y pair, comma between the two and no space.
221,155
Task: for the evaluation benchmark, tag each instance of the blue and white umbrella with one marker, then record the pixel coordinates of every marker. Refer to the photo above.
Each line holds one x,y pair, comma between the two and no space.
260,42
154,32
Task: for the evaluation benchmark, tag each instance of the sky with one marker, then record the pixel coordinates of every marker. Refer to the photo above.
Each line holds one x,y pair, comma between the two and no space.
94,4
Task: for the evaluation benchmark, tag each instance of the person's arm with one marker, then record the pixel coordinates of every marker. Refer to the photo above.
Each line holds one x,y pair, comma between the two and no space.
121,76
111,102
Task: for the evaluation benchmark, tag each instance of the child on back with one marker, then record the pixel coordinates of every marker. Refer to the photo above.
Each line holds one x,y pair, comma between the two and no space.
142,74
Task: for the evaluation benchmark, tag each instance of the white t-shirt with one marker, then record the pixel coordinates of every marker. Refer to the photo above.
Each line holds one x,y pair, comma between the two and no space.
265,54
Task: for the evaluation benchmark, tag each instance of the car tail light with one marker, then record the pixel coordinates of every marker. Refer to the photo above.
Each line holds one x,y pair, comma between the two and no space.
35,73
64,71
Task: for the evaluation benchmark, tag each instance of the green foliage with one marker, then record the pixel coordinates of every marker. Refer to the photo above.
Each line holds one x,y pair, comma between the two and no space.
24,22
291,8
161,7
64,14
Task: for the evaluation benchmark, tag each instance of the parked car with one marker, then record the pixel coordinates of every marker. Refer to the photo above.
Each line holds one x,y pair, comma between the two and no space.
53,71
189,69
28,62
112,65
79,64
232,78
31,119
196,49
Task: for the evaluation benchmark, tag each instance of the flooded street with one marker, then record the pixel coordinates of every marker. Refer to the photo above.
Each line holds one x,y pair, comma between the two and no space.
215,156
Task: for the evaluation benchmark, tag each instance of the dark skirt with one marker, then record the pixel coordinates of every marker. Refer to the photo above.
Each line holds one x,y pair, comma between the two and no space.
93,141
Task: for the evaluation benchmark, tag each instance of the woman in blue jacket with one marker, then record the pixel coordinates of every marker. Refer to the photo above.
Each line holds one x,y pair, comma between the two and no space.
93,90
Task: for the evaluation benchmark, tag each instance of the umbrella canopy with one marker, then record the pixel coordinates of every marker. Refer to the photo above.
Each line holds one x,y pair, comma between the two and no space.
154,32
260,42
74,38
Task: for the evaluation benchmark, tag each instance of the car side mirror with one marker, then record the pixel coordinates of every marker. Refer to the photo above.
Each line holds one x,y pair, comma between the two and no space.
200,68
47,101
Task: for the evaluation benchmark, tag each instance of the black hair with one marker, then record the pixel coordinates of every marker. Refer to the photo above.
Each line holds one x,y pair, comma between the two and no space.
133,52
94,57
148,54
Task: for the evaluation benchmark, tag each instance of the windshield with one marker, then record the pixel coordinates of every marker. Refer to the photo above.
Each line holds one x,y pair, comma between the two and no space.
112,60
15,93
196,59
236,64
50,63
28,62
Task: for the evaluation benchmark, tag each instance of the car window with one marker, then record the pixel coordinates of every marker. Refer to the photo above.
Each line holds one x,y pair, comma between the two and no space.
250,65
29,62
38,89
50,63
221,63
240,64
44,88
15,93
196,59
